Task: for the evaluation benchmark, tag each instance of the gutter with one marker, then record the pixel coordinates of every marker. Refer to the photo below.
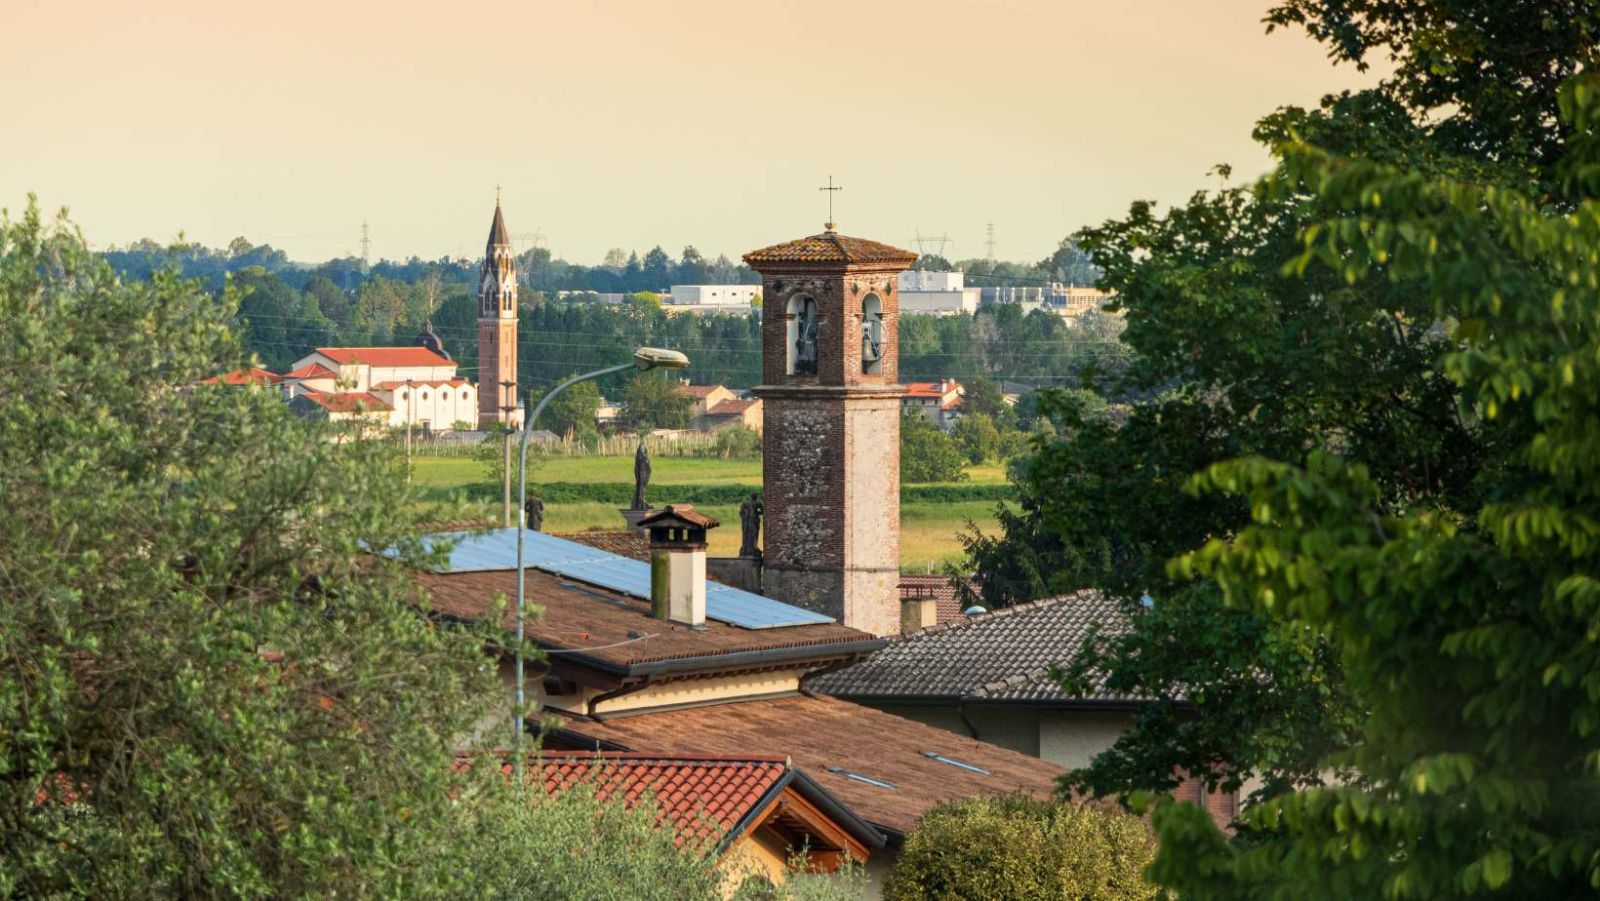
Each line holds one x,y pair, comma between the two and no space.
603,696
1110,704
763,658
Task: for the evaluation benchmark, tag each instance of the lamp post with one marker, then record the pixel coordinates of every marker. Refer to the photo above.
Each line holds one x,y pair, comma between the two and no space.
411,408
644,358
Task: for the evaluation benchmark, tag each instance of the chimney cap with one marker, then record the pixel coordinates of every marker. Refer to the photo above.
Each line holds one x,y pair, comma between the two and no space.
678,516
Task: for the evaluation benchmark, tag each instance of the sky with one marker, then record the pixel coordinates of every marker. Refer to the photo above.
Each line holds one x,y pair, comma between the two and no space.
631,124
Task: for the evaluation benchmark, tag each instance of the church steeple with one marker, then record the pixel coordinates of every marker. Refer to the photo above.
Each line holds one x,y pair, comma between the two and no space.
497,326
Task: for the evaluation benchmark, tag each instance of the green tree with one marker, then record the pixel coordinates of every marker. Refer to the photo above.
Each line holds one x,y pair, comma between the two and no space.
1019,849
651,401
206,688
928,454
1471,637
977,438
572,411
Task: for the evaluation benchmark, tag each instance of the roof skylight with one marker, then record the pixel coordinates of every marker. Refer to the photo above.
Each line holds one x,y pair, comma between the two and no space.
880,783
969,767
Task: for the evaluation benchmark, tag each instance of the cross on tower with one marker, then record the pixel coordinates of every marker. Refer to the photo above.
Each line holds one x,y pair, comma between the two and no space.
830,189
497,194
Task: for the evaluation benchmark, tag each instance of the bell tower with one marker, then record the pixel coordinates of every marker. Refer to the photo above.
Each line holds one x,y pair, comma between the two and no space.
497,328
831,431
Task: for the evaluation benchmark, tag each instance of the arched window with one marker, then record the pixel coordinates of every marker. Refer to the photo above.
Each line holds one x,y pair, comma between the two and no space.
424,395
871,335
802,326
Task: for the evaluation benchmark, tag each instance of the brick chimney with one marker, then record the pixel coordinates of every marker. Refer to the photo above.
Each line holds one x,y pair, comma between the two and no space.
678,563
917,613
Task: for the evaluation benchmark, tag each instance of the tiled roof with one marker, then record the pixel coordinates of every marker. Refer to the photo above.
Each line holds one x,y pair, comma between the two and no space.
947,600
348,402
385,356
682,512
613,630
250,376
1003,655
734,407
699,391
830,247
622,542
392,384
931,389
702,798
311,371
837,744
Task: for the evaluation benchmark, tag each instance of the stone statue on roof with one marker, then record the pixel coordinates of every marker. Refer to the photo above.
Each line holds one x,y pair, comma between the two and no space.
535,512
750,526
641,476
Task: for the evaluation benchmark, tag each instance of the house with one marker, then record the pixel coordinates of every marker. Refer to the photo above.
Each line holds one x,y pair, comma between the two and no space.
755,811
249,376
718,407
678,666
383,386
987,676
939,402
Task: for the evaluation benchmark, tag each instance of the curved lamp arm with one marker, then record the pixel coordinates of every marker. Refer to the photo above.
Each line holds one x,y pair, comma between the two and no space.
644,358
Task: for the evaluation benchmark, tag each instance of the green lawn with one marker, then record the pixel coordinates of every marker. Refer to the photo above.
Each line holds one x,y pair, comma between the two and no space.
927,530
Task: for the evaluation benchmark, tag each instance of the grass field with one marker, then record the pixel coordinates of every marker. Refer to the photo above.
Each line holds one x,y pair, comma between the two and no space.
927,530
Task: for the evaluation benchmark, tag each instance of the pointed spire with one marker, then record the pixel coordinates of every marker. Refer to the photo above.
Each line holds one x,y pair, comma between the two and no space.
498,235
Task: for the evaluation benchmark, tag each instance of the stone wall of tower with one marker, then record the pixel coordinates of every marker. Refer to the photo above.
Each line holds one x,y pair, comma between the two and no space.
831,451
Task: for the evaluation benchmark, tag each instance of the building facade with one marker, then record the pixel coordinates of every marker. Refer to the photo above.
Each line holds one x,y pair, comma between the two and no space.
497,330
831,443
936,293
385,387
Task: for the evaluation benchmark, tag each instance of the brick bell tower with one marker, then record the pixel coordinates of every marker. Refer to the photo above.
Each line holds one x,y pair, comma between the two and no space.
831,437
497,328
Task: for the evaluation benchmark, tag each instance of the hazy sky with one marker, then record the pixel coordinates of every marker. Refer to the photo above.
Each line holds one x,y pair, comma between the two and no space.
630,123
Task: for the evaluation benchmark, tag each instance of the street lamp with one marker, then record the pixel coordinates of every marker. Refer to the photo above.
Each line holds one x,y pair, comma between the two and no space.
644,358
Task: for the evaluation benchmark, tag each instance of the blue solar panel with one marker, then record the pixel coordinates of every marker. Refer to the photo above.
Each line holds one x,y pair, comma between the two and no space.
496,549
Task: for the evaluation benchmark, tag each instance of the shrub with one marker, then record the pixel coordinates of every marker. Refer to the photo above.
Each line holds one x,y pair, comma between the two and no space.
1019,848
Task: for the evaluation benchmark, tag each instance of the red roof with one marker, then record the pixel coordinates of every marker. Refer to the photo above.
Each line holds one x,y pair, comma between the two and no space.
941,588
831,247
420,383
349,402
931,389
250,376
703,798
312,371
733,407
700,391
384,356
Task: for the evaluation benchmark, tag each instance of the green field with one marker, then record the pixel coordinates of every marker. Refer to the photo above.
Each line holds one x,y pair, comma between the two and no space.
927,530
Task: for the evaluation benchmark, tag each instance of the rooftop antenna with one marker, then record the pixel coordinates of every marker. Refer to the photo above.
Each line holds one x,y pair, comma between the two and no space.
831,225
988,244
366,244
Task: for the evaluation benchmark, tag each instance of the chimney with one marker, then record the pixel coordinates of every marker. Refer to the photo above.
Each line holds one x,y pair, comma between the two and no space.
917,613
678,563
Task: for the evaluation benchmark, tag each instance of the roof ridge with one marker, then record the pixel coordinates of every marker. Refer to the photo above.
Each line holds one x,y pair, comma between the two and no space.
989,615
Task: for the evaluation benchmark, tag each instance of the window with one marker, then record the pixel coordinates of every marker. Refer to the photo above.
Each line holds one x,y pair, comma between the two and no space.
463,394
424,395
880,783
969,767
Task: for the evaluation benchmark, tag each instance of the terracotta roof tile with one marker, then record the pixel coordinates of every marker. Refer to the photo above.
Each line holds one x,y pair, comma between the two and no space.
947,600
685,512
385,356
734,407
830,247
348,402
393,385
700,391
250,376
702,798
311,371
623,543
832,741
1003,655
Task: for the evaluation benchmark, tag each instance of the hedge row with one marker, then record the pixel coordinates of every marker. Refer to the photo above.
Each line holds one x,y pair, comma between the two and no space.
621,493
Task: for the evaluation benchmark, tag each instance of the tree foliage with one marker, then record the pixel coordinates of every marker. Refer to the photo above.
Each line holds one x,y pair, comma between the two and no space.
928,454
1478,775
1020,849
204,690
650,400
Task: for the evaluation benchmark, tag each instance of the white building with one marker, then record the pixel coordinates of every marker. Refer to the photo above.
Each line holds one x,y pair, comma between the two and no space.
712,295
384,386
936,293
939,402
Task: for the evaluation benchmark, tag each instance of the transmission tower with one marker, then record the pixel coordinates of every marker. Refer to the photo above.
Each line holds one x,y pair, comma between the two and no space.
988,244
530,240
937,242
366,244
